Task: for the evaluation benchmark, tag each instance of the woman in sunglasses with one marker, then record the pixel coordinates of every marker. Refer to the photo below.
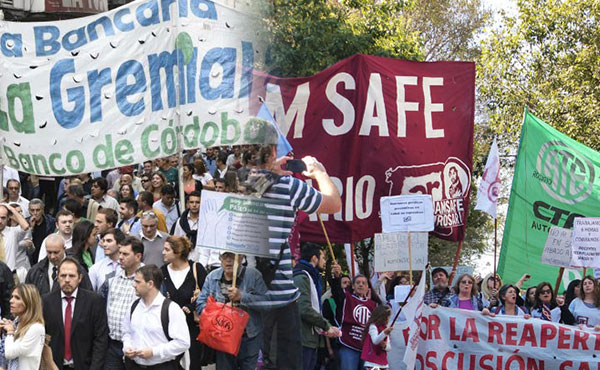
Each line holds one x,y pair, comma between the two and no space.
586,307
465,295
549,308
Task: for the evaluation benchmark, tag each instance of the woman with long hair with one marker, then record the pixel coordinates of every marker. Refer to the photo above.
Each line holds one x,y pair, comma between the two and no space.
572,291
157,181
126,191
548,308
202,175
376,342
489,289
586,307
23,338
84,238
189,183
465,295
529,298
182,278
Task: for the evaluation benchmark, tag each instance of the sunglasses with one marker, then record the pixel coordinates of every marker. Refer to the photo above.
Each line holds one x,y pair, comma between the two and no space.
545,291
467,282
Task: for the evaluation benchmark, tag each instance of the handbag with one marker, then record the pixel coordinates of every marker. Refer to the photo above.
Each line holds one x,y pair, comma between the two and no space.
47,360
222,326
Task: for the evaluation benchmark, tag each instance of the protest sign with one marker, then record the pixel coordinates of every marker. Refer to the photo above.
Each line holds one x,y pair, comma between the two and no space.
117,88
557,251
410,127
406,213
233,223
586,242
555,180
391,251
465,340
401,293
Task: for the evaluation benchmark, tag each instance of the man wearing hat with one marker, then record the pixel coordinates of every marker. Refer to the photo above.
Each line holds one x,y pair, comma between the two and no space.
440,292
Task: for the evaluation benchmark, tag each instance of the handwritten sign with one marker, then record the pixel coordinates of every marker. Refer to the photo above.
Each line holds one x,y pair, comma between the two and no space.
233,223
391,251
557,251
406,213
586,242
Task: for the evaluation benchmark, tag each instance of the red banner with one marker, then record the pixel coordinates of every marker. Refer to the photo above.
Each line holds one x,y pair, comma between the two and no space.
382,127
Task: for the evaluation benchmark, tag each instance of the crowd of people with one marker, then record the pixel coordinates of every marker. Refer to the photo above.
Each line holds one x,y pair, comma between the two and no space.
102,271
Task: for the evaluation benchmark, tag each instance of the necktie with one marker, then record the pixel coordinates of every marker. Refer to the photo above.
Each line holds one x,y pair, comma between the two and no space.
54,272
546,315
2,249
68,319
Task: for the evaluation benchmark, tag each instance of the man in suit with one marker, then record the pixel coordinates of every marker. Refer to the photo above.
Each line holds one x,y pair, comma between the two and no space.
44,274
76,321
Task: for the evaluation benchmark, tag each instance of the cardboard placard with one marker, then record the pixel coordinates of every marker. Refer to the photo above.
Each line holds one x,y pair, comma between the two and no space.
391,251
557,251
586,242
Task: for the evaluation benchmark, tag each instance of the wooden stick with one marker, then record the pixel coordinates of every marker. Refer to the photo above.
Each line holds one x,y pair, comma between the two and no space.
495,248
558,278
405,300
460,243
584,272
235,268
410,270
327,239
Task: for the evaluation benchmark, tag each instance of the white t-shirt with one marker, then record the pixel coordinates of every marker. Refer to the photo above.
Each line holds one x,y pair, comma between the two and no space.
585,313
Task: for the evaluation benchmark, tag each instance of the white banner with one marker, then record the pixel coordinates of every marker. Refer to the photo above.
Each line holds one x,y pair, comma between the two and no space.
413,311
233,223
489,186
116,88
466,340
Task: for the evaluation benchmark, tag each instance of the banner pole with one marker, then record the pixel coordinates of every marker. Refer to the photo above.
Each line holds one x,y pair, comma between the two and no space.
558,278
327,238
235,268
405,300
495,247
584,272
410,269
460,244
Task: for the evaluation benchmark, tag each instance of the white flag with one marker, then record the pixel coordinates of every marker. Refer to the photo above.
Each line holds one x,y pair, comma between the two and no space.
413,311
349,260
489,186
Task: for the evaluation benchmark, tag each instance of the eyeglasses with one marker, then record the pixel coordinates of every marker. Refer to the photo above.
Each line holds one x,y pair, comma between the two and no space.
145,180
546,291
466,282
13,188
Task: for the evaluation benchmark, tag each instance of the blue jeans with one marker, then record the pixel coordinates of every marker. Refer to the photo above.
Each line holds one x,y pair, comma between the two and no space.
309,358
247,356
350,359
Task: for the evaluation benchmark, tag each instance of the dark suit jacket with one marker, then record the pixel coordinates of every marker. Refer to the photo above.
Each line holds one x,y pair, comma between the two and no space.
89,330
38,276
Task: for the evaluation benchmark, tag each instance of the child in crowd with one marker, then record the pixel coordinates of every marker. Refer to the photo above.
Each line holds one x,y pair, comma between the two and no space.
376,341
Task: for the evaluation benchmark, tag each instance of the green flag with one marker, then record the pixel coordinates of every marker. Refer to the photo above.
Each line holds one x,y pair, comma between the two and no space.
555,180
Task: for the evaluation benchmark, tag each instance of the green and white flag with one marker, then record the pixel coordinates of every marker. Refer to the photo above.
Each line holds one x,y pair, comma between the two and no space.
555,180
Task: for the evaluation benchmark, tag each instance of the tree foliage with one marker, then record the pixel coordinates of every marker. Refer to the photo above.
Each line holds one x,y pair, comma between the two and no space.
307,36
546,58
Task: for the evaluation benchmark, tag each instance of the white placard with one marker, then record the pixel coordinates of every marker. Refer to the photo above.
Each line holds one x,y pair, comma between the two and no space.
391,251
406,213
586,242
557,251
234,223
401,292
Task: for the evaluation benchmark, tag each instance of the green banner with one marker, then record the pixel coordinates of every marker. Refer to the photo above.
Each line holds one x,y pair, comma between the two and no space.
555,180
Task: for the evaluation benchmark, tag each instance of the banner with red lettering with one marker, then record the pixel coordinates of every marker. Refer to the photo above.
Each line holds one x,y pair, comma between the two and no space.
466,340
381,127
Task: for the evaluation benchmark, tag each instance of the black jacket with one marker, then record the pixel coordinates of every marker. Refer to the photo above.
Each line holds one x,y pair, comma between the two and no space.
89,330
7,284
38,276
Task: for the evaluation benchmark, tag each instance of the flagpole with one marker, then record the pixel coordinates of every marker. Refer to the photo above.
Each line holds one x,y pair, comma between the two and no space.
495,247
460,243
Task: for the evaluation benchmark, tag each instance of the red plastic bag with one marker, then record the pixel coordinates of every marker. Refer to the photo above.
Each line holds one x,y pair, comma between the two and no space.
222,326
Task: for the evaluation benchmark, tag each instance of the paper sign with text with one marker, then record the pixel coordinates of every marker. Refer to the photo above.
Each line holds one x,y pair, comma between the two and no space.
391,251
557,251
233,223
406,213
586,242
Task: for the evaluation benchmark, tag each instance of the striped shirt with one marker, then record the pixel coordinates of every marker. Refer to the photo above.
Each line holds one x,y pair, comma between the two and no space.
285,197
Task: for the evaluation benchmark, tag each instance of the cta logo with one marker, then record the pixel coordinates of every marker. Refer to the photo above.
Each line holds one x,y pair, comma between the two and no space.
571,174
